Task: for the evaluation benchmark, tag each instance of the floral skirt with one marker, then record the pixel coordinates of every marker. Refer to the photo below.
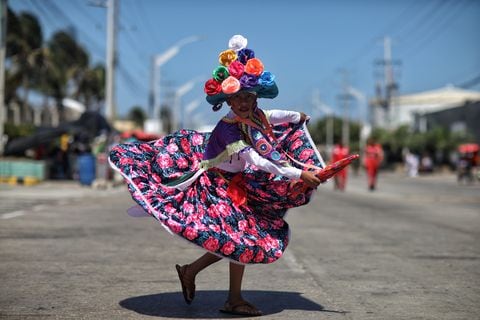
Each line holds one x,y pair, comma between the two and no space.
204,212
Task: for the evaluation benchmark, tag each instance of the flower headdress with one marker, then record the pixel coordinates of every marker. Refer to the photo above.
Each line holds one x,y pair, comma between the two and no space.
239,70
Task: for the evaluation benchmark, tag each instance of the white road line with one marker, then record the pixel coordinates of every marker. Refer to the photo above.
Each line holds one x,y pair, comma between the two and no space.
39,207
292,263
13,214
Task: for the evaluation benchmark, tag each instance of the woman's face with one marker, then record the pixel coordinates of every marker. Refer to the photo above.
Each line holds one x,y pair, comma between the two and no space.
242,103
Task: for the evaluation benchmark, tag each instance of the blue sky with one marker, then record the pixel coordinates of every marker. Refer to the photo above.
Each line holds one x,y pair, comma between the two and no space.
310,46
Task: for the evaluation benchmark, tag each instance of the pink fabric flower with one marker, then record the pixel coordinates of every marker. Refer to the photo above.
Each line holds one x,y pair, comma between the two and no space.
224,209
242,225
236,237
182,163
197,139
164,161
172,148
259,257
211,244
170,209
190,233
174,226
297,134
228,248
221,192
236,69
246,256
188,207
230,85
305,154
297,144
212,212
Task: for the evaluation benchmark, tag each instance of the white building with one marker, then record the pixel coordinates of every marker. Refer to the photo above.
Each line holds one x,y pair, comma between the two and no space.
408,109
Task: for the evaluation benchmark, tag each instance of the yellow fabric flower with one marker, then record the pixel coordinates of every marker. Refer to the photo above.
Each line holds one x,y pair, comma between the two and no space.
226,57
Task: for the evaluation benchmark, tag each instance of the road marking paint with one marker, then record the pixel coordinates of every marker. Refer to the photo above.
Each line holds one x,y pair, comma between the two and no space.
39,207
13,214
292,263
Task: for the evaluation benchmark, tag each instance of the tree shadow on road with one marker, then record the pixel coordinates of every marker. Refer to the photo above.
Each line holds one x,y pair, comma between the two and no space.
208,302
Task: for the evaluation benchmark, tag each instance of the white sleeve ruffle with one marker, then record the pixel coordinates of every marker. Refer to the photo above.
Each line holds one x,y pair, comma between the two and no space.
282,116
252,156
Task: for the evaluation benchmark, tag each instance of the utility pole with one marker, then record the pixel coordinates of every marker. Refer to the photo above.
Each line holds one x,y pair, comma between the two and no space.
110,102
390,86
112,17
3,36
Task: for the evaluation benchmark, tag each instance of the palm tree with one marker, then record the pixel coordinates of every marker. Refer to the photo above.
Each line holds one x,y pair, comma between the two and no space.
24,41
69,61
91,87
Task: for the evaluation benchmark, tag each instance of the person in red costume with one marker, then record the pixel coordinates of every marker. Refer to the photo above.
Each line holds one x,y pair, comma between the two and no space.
340,152
372,158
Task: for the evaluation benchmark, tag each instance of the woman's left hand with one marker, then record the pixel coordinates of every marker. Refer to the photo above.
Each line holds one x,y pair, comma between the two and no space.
303,118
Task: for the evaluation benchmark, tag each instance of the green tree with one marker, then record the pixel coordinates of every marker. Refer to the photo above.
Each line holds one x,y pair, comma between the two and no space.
69,62
91,87
318,131
137,115
24,43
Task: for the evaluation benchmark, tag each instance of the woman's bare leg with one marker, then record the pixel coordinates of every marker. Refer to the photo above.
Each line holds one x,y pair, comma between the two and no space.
236,277
188,272
235,301
201,263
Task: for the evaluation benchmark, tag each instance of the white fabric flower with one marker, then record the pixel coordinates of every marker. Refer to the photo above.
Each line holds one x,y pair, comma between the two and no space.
237,42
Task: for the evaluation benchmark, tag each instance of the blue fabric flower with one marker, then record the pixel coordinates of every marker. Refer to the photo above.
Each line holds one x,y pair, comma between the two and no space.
245,54
266,79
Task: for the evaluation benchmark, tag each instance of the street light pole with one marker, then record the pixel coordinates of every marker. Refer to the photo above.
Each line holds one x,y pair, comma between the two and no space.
110,102
178,113
158,61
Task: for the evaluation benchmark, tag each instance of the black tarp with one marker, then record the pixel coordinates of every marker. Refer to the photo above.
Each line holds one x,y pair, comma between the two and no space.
89,125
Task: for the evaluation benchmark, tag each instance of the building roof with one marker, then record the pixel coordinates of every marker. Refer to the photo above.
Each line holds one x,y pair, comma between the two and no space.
448,96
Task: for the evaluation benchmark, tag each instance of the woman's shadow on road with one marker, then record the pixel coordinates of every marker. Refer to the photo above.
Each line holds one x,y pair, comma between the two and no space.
208,302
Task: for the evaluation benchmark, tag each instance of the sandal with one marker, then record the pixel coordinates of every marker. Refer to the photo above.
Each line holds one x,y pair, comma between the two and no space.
188,289
241,308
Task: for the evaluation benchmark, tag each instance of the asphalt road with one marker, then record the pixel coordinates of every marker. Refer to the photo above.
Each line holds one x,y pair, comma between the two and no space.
409,250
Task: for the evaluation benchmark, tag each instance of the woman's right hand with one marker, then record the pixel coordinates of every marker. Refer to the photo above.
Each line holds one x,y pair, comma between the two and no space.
310,179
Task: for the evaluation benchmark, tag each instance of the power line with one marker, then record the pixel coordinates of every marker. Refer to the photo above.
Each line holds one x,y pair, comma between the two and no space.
45,14
415,27
433,33
82,9
59,13
150,28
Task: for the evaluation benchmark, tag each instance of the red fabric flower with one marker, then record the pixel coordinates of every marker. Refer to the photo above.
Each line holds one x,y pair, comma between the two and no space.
212,87
236,190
